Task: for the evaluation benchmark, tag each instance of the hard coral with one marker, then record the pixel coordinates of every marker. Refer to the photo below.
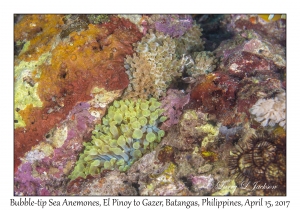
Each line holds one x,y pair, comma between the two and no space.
270,111
127,132
253,88
260,160
91,58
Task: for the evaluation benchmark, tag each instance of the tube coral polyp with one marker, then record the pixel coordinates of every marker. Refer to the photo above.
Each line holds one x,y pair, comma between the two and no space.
128,131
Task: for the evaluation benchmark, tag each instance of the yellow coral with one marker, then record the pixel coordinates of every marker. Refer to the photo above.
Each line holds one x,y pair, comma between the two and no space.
190,115
212,156
41,31
26,88
211,131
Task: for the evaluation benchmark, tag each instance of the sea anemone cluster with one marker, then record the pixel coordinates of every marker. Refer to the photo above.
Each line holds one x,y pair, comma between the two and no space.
128,131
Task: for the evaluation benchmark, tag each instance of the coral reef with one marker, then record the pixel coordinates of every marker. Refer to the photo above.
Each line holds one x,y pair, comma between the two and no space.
275,30
230,132
202,182
73,23
156,63
53,160
149,105
250,52
91,58
253,88
138,20
26,184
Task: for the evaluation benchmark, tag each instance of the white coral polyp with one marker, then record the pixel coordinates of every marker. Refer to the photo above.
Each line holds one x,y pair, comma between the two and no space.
270,111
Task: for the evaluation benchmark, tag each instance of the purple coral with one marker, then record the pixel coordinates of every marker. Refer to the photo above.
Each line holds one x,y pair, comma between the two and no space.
173,25
173,103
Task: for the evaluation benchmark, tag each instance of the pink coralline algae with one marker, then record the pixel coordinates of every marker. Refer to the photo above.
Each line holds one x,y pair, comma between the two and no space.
202,182
173,103
173,25
26,184
250,53
82,116
275,30
46,175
